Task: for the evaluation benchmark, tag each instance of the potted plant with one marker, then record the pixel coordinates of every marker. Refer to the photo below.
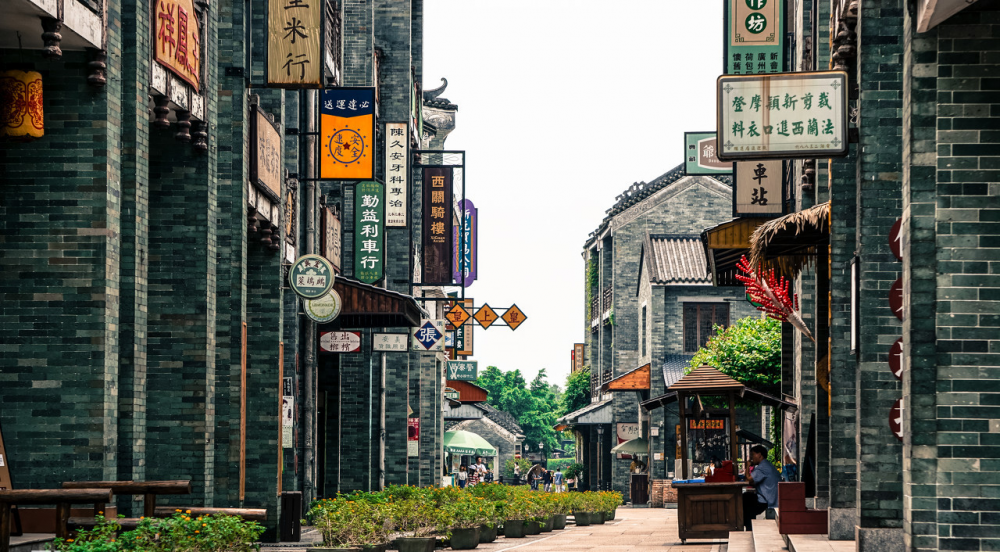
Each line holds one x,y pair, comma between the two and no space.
611,500
416,518
463,518
336,522
584,509
562,505
516,512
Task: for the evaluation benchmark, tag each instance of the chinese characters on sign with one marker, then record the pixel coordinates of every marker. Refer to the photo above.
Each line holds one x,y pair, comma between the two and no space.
265,162
340,342
347,134
699,155
463,370
429,336
513,317
311,276
294,58
437,226
793,115
369,231
178,42
755,37
331,237
397,172
391,342
412,436
578,356
758,188
464,333
465,256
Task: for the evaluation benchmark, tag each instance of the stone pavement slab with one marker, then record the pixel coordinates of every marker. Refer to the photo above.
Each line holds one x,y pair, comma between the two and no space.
817,543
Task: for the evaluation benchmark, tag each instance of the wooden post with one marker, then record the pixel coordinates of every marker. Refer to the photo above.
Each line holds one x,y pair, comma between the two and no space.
5,527
681,398
148,504
62,520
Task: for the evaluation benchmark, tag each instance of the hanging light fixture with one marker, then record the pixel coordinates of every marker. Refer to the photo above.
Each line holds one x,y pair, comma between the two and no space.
21,109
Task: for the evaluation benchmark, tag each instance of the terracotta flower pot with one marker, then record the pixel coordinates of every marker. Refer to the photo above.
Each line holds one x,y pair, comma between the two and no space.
465,538
559,522
513,528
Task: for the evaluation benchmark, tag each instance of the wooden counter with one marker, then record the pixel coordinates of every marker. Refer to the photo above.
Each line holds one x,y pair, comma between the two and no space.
709,510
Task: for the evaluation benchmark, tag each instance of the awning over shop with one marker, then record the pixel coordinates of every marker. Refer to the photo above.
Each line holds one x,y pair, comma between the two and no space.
706,380
724,245
593,413
635,446
367,306
467,443
468,392
636,380
790,243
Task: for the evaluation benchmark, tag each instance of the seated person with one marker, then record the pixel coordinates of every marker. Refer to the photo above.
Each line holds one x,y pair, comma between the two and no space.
764,487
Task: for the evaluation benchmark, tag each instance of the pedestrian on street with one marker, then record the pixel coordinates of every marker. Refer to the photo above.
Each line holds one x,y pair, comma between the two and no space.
764,487
557,479
536,478
463,477
488,478
547,480
517,474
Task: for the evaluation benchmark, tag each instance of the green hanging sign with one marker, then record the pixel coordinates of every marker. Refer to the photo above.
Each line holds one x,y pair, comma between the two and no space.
369,231
755,37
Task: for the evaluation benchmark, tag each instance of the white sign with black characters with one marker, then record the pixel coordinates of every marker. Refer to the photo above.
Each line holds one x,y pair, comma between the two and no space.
801,115
757,188
396,174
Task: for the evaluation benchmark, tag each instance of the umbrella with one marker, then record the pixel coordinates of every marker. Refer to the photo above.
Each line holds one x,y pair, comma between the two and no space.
466,442
635,446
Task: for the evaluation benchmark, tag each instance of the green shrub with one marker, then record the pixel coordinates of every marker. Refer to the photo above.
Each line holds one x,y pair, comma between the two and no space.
216,533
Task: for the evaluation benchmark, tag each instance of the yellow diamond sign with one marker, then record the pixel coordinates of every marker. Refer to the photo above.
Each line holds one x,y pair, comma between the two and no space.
514,317
486,316
457,316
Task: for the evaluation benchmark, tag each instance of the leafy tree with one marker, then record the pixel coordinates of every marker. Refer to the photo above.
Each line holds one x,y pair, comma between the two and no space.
534,408
577,394
748,351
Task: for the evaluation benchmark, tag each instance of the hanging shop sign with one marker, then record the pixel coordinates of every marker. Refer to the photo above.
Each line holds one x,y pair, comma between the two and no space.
896,419
896,239
758,188
412,436
457,316
463,370
324,309
391,342
486,316
265,154
397,171
287,421
464,333
340,342
627,432
579,354
347,130
429,336
755,37
437,226
449,339
311,276
369,231
294,57
896,298
700,155
465,256
452,394
514,317
896,359
331,237
178,44
800,115
23,114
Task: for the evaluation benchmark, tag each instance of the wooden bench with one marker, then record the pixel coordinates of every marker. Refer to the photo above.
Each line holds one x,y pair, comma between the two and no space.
149,490
62,498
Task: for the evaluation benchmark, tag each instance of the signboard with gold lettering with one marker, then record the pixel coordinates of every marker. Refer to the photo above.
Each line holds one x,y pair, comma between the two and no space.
178,41
347,134
265,154
437,226
294,30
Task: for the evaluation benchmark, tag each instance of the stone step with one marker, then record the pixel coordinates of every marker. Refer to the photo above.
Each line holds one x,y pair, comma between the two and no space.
766,537
817,543
740,541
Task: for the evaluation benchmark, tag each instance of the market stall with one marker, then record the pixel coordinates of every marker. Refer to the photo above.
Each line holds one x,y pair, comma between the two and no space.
710,506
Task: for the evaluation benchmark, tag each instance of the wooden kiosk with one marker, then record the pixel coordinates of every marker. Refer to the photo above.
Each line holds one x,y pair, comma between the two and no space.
708,510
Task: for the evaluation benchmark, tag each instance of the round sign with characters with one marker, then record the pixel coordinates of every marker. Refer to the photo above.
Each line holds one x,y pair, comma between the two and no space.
311,276
325,308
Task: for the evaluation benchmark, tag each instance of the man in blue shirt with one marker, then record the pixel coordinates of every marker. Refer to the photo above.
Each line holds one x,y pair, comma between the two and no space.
764,482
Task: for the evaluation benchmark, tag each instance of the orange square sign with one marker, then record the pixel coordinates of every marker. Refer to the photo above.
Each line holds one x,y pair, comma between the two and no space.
486,316
514,317
458,316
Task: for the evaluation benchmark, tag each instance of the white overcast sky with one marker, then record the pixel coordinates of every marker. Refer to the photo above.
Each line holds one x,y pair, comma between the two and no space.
561,107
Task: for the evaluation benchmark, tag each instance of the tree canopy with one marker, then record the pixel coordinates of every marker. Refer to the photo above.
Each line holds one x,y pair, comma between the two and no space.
534,406
748,351
577,394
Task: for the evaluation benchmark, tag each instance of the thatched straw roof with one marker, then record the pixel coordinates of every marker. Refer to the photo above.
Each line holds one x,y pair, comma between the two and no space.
789,243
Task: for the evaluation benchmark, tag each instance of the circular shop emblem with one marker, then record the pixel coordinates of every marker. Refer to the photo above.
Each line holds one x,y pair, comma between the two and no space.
756,4
325,308
346,146
311,277
755,23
